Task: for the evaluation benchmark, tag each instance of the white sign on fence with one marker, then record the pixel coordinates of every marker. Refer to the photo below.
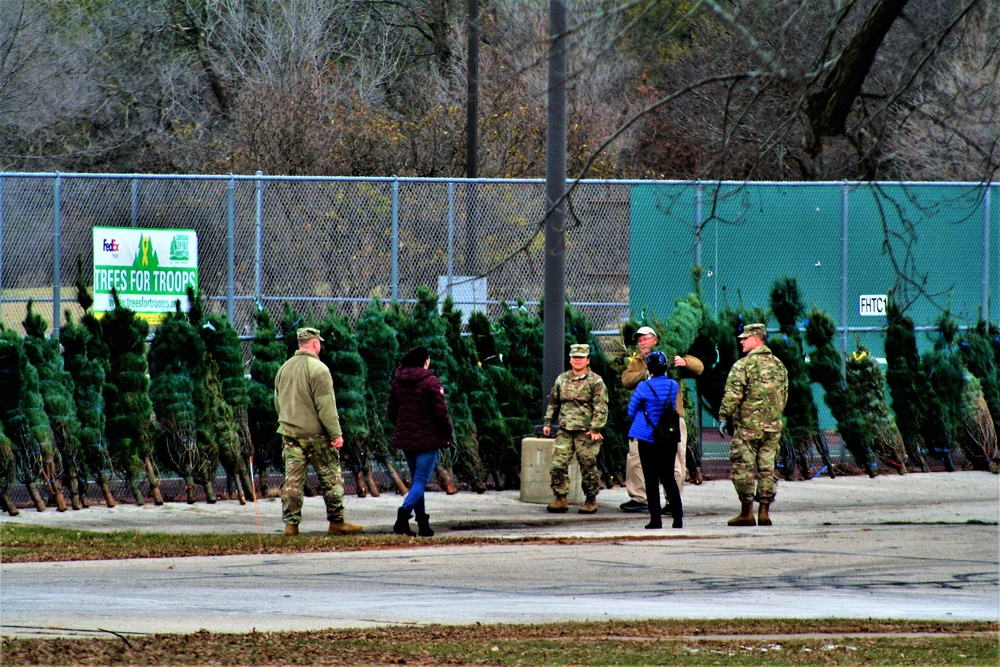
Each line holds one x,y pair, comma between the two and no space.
149,268
468,293
871,305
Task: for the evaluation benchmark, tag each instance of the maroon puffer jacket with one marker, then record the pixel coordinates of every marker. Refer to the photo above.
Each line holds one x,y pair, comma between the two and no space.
418,409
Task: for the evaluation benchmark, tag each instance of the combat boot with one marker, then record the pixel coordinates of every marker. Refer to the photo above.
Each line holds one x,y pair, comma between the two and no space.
746,515
763,518
558,506
343,528
589,506
291,529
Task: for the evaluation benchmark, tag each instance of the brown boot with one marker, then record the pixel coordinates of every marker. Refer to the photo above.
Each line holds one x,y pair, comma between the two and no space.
763,518
558,506
589,506
746,515
343,528
291,529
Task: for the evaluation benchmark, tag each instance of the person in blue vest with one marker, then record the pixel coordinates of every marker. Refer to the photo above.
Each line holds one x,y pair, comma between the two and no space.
651,401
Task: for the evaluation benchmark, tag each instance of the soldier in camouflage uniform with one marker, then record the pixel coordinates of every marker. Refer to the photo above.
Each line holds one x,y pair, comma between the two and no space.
756,391
580,400
310,431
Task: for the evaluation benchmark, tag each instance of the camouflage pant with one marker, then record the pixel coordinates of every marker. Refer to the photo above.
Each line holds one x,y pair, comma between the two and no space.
753,454
298,453
567,443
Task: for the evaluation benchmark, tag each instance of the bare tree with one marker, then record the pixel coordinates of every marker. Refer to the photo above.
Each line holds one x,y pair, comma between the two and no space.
950,129
798,89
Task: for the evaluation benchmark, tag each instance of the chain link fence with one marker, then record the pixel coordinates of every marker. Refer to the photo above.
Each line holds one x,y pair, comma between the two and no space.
319,242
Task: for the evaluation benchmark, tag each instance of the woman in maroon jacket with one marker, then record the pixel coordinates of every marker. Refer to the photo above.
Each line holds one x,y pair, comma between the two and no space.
423,426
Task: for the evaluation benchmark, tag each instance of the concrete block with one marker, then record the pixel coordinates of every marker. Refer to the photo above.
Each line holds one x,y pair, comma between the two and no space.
536,479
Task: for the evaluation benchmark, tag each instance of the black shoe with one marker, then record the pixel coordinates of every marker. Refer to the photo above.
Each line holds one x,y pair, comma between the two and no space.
654,524
424,525
634,506
402,525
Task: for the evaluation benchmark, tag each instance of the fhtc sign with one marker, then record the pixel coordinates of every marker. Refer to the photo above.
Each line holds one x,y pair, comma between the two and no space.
871,305
149,268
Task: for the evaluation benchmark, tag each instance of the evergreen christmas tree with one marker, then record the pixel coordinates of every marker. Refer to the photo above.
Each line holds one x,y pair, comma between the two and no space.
501,459
267,355
175,354
218,437
126,396
86,358
22,410
57,394
825,369
340,354
943,389
519,341
904,377
978,438
867,393
974,347
88,393
8,472
488,435
801,429
379,347
222,346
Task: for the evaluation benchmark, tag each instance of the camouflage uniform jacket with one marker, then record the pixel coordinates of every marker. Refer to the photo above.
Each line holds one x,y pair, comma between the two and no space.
304,399
756,391
580,402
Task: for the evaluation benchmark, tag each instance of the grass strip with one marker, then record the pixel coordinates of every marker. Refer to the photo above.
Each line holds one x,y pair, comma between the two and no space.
729,642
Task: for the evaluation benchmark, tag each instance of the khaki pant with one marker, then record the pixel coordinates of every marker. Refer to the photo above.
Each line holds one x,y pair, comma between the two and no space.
635,483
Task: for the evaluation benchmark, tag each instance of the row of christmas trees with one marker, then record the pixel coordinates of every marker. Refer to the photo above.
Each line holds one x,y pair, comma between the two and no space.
108,405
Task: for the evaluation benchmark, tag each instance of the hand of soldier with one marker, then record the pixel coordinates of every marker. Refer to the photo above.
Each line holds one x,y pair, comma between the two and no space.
338,442
722,428
546,431
680,361
594,435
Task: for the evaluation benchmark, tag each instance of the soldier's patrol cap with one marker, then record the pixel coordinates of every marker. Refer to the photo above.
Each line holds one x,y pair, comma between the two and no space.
754,330
579,350
643,331
307,333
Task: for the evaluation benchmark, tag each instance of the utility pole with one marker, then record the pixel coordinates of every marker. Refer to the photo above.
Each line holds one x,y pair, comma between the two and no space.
472,140
553,362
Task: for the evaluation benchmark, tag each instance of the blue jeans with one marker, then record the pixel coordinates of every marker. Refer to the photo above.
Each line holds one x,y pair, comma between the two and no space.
421,468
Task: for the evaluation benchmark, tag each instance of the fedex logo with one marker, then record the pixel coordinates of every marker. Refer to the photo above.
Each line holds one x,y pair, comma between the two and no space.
111,246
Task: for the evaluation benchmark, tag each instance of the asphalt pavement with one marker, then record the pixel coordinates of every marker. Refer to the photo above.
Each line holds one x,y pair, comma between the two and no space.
921,546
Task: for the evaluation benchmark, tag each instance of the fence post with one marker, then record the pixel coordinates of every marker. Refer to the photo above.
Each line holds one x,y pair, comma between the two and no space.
985,314
843,277
843,295
258,278
231,249
451,234
394,278
56,273
697,224
1,236
135,202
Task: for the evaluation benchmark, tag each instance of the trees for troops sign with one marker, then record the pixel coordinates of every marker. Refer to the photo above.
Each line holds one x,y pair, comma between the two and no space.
150,269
